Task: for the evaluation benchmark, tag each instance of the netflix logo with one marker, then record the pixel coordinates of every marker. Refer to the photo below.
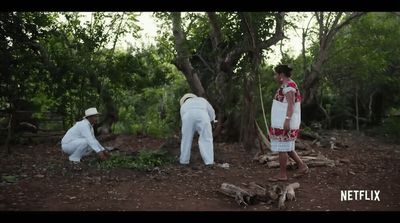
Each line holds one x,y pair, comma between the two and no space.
359,195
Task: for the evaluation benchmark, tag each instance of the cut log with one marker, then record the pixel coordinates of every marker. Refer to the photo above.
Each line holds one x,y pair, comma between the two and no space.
309,135
288,194
282,199
308,158
242,197
262,158
275,164
305,153
301,145
274,191
290,191
259,192
317,163
255,192
312,161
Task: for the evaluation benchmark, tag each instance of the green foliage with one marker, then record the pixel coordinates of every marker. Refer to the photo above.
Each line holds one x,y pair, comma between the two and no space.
145,160
363,59
389,127
10,178
150,105
154,111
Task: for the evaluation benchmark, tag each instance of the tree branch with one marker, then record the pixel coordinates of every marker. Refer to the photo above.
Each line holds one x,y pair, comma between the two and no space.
216,34
278,35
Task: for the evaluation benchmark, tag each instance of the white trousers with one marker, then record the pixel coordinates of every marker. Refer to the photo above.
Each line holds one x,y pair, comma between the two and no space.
77,149
197,121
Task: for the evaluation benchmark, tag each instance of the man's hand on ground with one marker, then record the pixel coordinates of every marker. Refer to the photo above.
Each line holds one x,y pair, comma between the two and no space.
104,155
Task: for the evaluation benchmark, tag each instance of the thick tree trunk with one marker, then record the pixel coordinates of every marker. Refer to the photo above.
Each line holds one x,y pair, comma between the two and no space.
226,57
225,62
248,115
221,77
248,133
254,46
182,61
110,115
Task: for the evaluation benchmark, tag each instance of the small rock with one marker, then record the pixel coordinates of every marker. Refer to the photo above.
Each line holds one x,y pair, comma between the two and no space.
224,165
352,173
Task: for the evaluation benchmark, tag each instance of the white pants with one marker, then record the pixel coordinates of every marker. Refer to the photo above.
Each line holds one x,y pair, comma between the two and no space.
77,149
197,120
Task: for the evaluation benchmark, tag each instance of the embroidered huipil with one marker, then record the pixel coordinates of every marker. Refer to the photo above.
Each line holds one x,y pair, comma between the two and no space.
278,114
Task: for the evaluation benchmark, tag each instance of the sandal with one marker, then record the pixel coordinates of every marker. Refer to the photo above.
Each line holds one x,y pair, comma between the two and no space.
302,173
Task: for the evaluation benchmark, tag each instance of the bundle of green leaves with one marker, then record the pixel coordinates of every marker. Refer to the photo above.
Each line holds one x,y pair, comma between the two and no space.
145,160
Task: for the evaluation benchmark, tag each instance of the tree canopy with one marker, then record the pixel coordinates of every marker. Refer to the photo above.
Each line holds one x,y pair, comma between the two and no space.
65,62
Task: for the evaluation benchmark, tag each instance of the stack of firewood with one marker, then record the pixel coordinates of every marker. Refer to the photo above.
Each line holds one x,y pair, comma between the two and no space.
253,193
309,157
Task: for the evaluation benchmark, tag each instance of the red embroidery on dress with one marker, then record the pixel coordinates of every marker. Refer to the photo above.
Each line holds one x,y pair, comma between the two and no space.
279,96
283,135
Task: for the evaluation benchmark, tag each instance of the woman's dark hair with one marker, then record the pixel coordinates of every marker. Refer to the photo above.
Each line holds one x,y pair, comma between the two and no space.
283,68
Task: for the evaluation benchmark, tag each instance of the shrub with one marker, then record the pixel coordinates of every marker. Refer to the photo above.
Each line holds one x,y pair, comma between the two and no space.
145,160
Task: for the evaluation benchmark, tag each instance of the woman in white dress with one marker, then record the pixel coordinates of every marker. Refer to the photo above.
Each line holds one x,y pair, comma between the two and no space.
285,122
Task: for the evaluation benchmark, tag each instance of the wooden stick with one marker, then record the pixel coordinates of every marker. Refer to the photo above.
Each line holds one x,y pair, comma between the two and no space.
288,194
242,197
290,191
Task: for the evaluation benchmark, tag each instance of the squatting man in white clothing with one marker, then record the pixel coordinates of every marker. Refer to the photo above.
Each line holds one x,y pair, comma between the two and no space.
196,115
80,141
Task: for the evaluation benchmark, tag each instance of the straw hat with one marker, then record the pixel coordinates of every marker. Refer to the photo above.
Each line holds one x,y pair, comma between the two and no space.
186,96
90,112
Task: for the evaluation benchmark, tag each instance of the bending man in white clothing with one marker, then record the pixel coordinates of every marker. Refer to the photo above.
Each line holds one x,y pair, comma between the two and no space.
196,115
80,141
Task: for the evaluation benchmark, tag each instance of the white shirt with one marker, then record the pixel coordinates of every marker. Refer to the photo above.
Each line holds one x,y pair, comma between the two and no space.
198,103
82,130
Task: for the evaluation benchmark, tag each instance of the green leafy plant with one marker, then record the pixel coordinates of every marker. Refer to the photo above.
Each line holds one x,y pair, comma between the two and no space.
145,160
9,178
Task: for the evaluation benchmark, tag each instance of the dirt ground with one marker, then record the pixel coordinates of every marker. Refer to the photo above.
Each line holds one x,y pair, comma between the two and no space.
46,181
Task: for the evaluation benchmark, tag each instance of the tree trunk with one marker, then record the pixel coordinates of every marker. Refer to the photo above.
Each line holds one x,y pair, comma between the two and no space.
10,131
356,105
326,113
222,77
328,28
111,113
249,107
371,99
226,57
182,61
248,115
254,46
